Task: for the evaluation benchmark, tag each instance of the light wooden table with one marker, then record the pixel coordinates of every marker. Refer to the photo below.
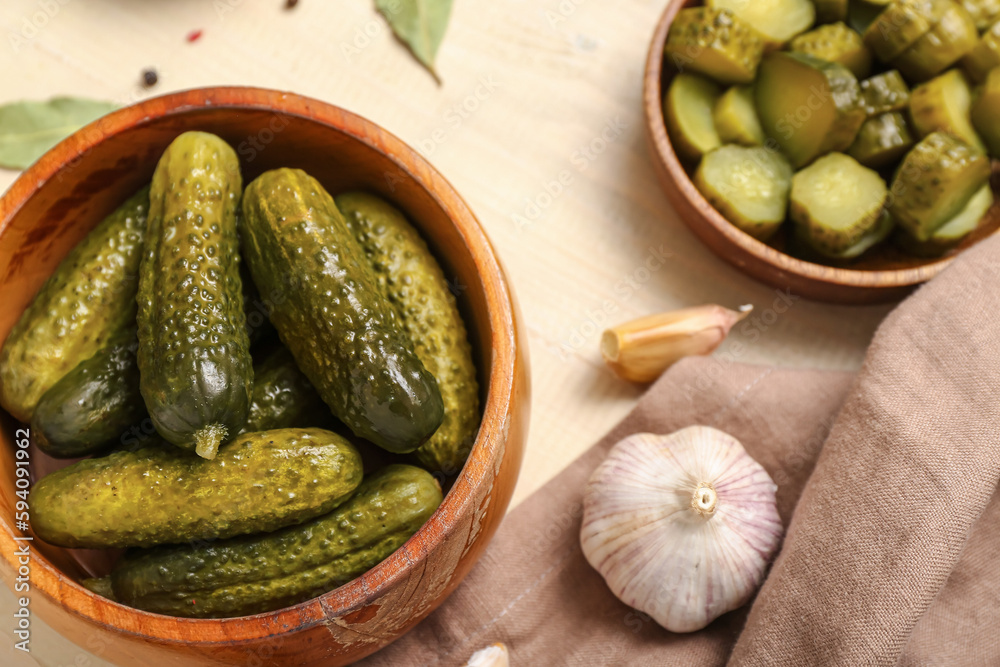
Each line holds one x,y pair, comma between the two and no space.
538,120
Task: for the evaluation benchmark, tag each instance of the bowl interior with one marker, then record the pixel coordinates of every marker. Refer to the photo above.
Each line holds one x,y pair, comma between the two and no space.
884,267
91,173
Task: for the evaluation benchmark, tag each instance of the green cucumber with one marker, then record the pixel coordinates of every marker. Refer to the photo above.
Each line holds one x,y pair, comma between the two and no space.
934,182
687,108
809,106
985,56
748,186
341,329
259,573
950,39
415,284
164,495
735,118
836,201
983,12
714,43
901,24
194,353
885,92
89,299
985,111
881,231
93,405
942,104
282,395
777,21
861,14
951,233
836,43
882,141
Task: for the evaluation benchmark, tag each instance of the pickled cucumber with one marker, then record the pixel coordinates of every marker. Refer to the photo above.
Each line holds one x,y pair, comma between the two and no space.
688,110
901,24
985,112
836,201
934,182
89,298
748,186
163,495
258,573
777,21
983,12
862,13
882,141
836,43
985,55
885,92
831,11
947,42
881,231
282,395
942,104
809,106
735,117
715,43
951,233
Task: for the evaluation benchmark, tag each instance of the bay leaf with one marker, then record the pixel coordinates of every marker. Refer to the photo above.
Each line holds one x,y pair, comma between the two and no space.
28,129
420,24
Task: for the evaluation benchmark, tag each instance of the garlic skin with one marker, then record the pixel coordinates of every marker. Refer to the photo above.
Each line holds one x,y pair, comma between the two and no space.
494,655
681,526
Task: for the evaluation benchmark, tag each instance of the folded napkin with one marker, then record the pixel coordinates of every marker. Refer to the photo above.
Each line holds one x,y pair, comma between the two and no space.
886,484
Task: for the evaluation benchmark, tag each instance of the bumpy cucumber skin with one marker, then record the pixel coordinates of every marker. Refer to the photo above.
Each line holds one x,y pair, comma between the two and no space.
882,140
985,55
163,495
415,284
715,43
983,12
901,24
283,396
953,232
89,409
881,231
194,354
89,298
953,37
930,103
837,43
341,329
259,573
885,92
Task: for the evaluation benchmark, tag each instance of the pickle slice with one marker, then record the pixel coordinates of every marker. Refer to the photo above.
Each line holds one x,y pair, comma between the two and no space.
881,231
986,54
951,233
831,11
934,182
715,43
882,140
885,92
985,112
942,104
836,201
736,119
984,12
901,24
748,186
809,106
947,42
862,13
777,21
836,43
688,110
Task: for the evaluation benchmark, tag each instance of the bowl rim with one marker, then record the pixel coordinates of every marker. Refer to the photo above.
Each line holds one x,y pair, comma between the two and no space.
750,250
486,452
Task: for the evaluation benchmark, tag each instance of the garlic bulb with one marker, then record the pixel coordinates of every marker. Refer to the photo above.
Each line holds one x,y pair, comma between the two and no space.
681,526
494,655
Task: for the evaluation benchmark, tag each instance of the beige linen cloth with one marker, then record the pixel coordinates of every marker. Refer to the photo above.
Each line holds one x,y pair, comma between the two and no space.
886,483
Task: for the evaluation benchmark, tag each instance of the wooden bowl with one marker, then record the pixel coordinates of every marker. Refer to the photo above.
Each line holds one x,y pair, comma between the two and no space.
883,274
61,197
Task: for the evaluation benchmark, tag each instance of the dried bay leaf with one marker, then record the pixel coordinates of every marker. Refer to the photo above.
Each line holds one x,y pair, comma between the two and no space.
28,129
420,24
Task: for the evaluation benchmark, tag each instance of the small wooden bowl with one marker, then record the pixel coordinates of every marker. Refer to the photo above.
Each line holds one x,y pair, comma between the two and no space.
55,202
882,274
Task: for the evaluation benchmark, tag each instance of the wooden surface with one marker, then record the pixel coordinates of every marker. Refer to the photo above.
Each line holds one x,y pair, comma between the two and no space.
539,96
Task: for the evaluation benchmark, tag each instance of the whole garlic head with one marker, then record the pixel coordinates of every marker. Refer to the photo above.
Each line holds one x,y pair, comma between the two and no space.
681,526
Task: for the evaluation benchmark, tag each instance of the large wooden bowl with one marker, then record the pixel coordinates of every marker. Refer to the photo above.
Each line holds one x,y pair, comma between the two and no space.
882,274
55,202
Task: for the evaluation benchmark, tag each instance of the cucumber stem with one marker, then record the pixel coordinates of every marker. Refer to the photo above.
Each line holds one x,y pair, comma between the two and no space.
208,439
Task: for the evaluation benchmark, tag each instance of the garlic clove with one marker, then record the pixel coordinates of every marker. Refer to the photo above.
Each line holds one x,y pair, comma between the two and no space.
494,655
681,526
640,350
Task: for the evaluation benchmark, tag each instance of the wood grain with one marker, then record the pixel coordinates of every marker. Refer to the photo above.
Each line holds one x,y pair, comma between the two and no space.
883,274
84,178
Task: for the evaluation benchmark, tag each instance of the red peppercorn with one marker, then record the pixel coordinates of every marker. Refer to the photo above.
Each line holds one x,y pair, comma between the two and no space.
194,35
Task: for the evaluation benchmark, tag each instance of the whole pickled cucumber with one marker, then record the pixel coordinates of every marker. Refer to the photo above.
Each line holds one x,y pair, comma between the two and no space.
164,495
282,395
194,355
341,329
415,284
90,297
259,573
89,409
